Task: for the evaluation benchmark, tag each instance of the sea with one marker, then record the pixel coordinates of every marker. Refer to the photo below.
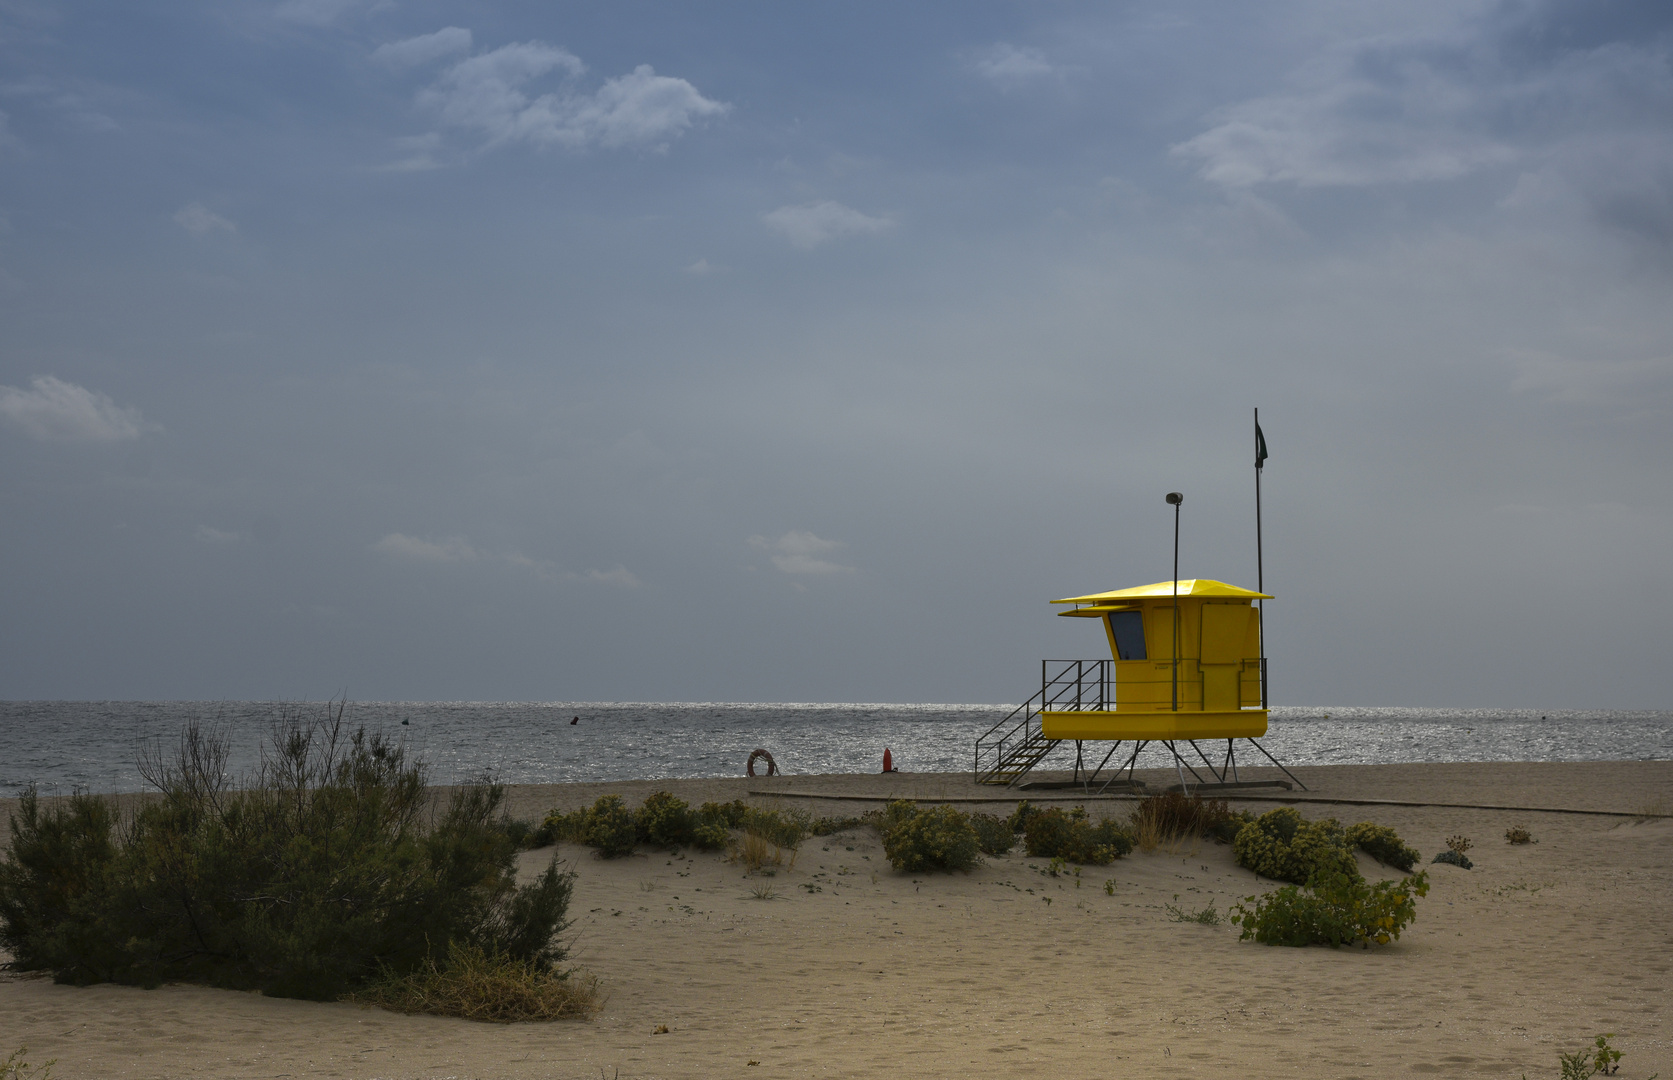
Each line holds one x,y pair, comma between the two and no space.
59,747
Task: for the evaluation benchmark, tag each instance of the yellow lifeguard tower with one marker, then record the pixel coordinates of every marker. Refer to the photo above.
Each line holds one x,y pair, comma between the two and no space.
1185,664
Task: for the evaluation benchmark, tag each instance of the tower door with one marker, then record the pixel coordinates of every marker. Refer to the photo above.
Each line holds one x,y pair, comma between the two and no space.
1225,628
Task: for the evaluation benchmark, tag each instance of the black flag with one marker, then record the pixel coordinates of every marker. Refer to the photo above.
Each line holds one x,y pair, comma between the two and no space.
1260,447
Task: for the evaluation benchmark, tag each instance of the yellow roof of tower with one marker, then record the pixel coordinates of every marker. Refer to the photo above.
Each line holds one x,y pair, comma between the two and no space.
1187,587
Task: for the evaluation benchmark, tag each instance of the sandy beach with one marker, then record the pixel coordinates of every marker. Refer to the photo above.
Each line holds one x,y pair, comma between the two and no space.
839,966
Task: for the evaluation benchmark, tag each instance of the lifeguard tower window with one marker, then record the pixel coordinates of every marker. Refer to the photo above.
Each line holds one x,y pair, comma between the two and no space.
1127,627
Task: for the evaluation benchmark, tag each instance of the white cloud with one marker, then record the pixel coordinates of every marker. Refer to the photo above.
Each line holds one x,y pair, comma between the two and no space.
811,225
209,535
1409,110
199,220
420,151
402,546
1008,66
59,411
489,94
621,576
801,553
413,51
700,268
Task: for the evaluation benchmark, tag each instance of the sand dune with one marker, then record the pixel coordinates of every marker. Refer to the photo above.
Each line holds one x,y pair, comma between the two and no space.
848,968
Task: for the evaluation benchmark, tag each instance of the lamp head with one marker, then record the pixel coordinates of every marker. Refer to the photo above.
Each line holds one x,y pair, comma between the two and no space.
1175,498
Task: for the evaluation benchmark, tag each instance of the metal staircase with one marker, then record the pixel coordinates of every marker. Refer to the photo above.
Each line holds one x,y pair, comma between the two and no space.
1012,748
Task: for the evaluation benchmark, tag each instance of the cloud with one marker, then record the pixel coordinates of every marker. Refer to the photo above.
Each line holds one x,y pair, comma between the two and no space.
811,225
1009,67
199,220
209,535
1421,109
621,576
59,411
420,151
800,553
414,51
488,94
402,546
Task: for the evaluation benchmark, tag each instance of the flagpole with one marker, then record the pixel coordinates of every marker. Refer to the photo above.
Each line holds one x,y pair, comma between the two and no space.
1260,571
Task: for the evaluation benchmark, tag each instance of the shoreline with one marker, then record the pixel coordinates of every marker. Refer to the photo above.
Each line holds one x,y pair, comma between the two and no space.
838,966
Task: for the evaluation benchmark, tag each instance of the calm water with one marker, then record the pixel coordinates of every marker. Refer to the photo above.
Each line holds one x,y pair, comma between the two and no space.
63,745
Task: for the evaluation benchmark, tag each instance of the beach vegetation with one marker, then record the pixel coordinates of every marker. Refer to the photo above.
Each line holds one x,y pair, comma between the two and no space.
830,826
1332,909
939,838
17,1067
785,828
1075,837
1454,858
1518,834
328,868
1382,844
1458,844
610,827
1019,817
1171,817
1208,916
665,820
994,834
729,815
756,853
475,984
1284,846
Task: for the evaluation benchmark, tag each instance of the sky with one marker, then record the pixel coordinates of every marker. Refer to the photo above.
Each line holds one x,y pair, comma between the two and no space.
417,350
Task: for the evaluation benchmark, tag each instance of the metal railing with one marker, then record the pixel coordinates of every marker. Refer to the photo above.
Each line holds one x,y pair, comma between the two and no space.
1016,744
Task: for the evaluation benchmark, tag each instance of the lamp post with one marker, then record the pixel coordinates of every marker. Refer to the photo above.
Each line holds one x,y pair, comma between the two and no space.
1174,500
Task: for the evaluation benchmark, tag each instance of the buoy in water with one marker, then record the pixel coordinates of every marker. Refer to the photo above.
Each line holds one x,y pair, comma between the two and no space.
888,760
574,720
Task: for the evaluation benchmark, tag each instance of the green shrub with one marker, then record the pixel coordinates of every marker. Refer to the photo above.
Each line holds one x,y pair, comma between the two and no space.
315,878
940,838
783,828
1284,846
1225,830
710,836
1073,837
727,815
1455,858
1382,844
557,825
665,820
827,826
1019,817
609,827
993,834
1332,909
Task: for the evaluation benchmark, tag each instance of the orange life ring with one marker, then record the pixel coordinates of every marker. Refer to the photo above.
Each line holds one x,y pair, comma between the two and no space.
772,766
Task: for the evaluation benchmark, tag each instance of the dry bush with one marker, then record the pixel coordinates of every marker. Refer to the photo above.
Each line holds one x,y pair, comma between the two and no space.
477,985
1518,834
1458,844
755,851
1172,818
